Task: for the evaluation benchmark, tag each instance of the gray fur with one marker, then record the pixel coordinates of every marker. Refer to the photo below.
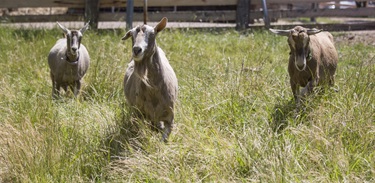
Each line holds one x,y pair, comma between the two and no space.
150,84
313,59
68,61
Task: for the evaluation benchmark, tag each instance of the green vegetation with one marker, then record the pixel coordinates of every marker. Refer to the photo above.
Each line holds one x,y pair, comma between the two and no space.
235,119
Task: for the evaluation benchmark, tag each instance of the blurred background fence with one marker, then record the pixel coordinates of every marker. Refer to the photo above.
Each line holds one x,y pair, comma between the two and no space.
242,12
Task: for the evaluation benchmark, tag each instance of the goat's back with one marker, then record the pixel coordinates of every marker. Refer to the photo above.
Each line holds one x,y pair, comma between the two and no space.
323,48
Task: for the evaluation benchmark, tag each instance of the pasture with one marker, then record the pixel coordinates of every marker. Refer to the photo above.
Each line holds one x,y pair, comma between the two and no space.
235,119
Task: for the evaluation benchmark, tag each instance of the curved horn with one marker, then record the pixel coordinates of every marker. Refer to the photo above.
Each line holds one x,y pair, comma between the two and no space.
313,31
63,28
281,32
84,28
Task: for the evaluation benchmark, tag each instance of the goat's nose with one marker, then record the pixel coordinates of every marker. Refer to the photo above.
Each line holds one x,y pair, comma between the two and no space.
137,50
74,49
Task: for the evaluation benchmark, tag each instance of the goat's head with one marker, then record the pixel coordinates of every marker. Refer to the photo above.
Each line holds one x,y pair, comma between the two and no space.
298,40
143,39
73,37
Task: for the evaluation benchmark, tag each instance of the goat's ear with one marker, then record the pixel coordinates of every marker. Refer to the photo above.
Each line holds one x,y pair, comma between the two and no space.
281,32
161,25
84,28
313,31
64,29
127,35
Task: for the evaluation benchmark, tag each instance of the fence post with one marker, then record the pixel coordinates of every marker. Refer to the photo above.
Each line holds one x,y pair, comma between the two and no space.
314,7
265,14
92,13
242,14
145,9
129,14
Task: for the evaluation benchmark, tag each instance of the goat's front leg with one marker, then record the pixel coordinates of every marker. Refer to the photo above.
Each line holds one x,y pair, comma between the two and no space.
55,87
55,90
166,128
310,86
295,90
77,87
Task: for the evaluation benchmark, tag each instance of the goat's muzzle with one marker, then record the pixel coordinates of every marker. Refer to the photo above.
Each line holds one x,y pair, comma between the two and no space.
74,49
300,63
137,53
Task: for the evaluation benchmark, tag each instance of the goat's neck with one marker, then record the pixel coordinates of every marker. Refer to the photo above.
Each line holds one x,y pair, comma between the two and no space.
308,52
151,60
70,57
154,64
149,67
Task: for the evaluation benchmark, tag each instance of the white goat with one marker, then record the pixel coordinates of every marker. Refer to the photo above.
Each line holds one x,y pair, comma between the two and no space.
312,61
68,61
150,84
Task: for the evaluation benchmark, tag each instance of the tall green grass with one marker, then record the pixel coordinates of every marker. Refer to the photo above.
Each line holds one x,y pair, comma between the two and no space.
235,118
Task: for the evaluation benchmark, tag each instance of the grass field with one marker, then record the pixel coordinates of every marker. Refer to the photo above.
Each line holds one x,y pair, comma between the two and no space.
235,118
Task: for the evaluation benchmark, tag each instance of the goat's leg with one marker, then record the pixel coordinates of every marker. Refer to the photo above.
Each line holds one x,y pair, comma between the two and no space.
65,87
55,87
295,90
56,90
76,88
311,85
166,128
331,81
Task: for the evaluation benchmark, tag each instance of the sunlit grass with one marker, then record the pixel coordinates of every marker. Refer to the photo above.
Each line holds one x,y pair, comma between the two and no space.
235,118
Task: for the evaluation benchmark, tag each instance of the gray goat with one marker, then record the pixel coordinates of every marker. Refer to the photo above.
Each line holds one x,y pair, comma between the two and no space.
150,84
312,61
68,61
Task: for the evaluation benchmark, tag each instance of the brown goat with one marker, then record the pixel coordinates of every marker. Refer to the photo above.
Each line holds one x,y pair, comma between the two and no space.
312,61
150,83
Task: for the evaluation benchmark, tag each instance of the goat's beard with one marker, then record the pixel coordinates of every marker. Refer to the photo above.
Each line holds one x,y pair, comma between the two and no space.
74,53
138,58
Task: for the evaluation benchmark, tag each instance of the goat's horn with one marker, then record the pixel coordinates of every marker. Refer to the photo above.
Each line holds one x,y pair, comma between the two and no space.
85,27
63,28
281,32
313,31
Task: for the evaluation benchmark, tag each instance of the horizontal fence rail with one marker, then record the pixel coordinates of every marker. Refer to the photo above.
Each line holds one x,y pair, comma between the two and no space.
139,3
254,11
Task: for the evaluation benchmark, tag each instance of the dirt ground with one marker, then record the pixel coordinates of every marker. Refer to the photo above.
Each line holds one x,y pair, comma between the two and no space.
350,37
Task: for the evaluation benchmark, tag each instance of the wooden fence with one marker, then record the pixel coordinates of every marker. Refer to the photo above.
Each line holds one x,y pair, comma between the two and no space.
242,13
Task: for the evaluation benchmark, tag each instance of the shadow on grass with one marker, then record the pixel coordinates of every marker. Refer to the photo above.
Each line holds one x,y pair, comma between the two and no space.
130,133
286,110
280,113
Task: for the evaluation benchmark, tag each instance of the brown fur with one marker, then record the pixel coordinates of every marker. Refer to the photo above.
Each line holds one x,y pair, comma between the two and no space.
321,59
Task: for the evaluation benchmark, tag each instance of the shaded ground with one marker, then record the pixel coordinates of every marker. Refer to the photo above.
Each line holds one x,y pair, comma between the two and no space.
365,37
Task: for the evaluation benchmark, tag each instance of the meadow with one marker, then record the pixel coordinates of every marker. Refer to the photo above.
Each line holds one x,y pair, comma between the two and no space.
235,117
